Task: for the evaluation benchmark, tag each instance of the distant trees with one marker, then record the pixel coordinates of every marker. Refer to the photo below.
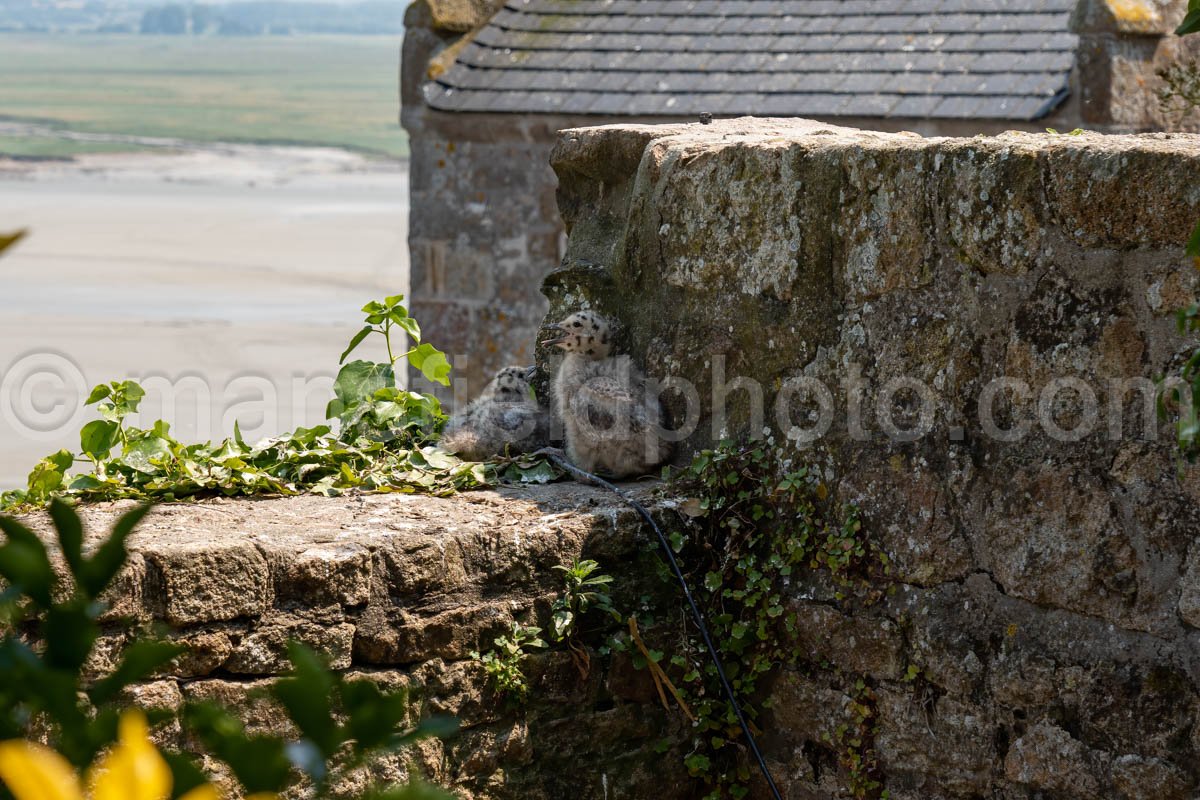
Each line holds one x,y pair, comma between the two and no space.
273,17
184,17
204,18
169,19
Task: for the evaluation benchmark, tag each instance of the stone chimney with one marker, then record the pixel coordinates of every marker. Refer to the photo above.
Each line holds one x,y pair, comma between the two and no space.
1123,44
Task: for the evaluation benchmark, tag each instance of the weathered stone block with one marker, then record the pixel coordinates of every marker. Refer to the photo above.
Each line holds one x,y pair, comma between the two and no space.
457,16
207,651
948,748
1138,778
807,709
723,221
911,518
322,575
259,713
990,195
1144,184
125,595
158,696
198,581
1063,542
947,636
264,650
869,645
1048,759
397,637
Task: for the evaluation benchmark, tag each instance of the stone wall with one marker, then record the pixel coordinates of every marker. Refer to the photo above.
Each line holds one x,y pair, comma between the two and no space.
399,590
1047,581
1123,45
1041,638
483,230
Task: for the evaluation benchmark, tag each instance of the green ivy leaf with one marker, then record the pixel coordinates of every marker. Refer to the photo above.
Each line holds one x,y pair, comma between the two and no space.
355,342
48,474
142,454
98,437
98,393
1191,21
357,382
409,326
128,396
431,362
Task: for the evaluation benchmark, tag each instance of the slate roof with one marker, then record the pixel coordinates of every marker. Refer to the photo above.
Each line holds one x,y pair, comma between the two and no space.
932,59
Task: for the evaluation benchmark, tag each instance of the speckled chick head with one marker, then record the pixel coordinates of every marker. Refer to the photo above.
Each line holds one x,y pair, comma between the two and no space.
585,332
511,385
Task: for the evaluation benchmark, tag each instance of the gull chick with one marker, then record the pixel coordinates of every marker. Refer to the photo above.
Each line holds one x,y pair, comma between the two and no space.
504,419
612,425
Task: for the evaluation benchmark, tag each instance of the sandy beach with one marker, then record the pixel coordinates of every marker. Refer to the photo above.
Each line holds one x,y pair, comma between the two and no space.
227,277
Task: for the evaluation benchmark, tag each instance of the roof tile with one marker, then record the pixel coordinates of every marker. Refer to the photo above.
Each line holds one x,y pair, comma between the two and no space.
900,58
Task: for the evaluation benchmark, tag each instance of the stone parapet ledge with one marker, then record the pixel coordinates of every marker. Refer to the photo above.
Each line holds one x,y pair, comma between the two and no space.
397,589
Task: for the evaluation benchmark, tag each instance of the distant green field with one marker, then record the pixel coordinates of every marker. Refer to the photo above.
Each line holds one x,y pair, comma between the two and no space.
328,90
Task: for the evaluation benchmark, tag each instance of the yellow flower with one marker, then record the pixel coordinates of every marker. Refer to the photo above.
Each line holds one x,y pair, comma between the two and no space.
33,772
131,770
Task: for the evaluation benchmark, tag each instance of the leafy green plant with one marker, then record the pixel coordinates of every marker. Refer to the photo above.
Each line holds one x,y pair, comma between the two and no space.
153,465
115,401
382,317
854,743
378,440
503,663
583,590
341,722
367,402
755,523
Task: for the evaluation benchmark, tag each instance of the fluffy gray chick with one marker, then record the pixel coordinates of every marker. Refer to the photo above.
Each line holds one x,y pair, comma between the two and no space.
610,422
504,419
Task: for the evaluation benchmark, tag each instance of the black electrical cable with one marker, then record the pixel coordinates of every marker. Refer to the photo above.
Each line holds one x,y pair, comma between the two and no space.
586,477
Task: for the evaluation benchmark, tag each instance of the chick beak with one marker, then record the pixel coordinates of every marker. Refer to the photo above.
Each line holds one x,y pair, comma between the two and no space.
559,329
